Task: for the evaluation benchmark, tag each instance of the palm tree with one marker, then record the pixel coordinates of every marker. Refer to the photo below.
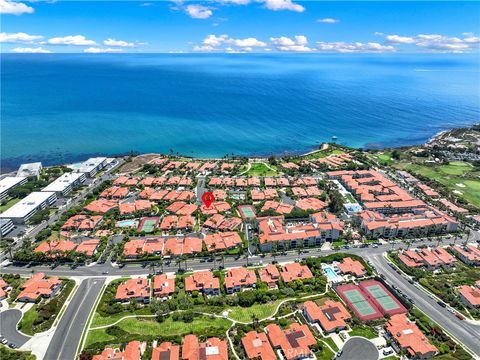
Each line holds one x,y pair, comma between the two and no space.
160,263
152,266
178,262
4,245
223,261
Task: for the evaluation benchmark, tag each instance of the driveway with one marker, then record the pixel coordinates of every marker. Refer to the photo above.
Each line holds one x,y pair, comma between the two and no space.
8,327
357,348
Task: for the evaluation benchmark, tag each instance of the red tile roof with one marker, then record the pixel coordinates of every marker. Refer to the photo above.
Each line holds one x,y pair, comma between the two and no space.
222,241
240,277
295,271
166,351
294,341
82,222
471,295
132,289
331,315
201,280
39,285
212,349
163,285
257,346
350,266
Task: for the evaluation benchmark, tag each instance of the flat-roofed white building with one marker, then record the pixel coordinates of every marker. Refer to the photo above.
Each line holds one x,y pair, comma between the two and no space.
64,184
27,207
6,225
8,183
90,167
30,170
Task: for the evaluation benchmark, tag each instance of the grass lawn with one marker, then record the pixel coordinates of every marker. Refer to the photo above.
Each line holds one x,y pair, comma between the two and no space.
9,204
26,324
366,332
8,354
260,310
456,172
349,198
330,342
326,354
148,327
99,320
260,169
338,244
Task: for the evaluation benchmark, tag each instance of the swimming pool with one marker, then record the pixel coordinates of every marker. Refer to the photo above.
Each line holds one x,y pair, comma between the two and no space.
331,275
127,223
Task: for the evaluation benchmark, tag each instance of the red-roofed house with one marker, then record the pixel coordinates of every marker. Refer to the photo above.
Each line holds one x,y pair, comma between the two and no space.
138,289
353,267
294,342
310,204
166,351
295,271
470,296
132,352
163,286
136,206
407,336
238,278
330,316
178,246
39,286
269,275
88,247
101,206
203,281
212,349
222,241
82,222
257,347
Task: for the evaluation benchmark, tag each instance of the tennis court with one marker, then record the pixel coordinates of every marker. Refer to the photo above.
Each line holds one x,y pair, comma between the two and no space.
382,297
359,302
148,225
247,212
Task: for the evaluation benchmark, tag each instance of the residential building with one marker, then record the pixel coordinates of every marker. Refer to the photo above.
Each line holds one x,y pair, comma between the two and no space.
22,211
222,241
39,286
294,342
30,170
138,289
65,183
163,285
101,206
352,267
90,167
204,282
10,182
257,346
407,336
269,275
212,349
469,254
82,222
6,225
237,279
470,295
330,316
295,271
166,351
132,352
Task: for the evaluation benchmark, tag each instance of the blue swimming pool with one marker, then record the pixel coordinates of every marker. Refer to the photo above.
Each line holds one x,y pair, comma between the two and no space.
331,275
127,223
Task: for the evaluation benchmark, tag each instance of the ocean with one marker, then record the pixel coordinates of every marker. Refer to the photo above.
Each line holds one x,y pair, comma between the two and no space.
60,108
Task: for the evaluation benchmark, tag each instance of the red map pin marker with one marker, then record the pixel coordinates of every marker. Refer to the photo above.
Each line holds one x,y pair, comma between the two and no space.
208,198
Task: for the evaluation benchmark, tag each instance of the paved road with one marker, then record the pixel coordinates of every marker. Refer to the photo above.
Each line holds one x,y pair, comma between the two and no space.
357,348
70,328
8,327
465,332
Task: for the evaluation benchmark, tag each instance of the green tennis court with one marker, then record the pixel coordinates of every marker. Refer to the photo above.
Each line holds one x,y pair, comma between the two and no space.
148,225
359,302
247,212
383,298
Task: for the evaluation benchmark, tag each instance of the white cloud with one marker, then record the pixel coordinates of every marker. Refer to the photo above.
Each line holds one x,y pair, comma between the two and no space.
77,40
471,39
14,8
397,39
282,5
354,47
94,50
38,50
198,11
328,21
217,43
120,43
248,42
298,44
19,37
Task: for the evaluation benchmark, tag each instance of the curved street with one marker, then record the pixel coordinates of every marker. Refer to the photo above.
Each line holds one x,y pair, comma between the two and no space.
8,327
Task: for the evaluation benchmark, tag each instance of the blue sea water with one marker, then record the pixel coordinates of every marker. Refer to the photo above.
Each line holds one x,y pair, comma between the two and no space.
60,108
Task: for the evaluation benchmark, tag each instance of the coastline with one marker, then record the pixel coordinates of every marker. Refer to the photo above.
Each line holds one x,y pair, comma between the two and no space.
11,164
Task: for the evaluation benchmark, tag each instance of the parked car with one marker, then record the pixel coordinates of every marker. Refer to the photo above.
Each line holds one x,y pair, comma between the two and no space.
442,304
460,316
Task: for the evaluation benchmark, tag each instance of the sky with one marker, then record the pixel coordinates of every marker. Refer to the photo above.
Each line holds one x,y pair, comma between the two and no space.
239,26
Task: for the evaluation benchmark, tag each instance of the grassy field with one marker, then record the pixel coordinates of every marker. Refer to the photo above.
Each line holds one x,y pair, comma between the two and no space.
326,354
457,175
9,204
7,354
169,327
324,153
261,311
260,169
99,320
383,158
26,324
